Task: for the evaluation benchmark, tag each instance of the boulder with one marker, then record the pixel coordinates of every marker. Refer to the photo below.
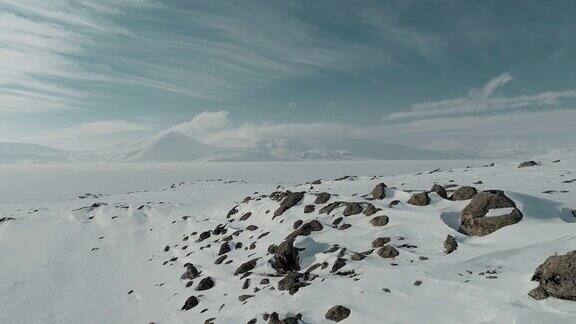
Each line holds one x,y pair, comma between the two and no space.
450,244
224,248
246,266
306,229
556,277
379,191
330,207
526,164
286,257
379,220
338,313
473,218
322,198
191,271
190,303
388,251
292,282
380,242
419,199
205,284
352,208
440,191
370,210
308,209
291,199
464,193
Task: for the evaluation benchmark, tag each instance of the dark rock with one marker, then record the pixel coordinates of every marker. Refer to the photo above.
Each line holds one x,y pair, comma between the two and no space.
526,164
464,193
251,227
308,209
205,284
420,199
338,313
232,211
297,224
306,229
538,293
224,248
245,216
440,191
330,207
166,248
286,257
316,182
379,220
243,298
191,271
344,227
338,264
337,221
472,217
292,282
322,198
556,277
380,242
388,252
393,203
357,256
379,191
246,266
190,303
450,244
288,202
370,210
220,259
352,208
203,236
417,282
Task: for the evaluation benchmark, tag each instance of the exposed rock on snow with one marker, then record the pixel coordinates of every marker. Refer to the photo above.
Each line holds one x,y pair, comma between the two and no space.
419,199
379,191
379,220
439,190
338,313
352,208
291,199
371,210
556,277
526,164
322,198
464,193
388,252
474,220
450,244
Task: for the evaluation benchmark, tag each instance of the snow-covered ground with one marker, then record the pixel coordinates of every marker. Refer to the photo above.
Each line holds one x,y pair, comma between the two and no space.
102,258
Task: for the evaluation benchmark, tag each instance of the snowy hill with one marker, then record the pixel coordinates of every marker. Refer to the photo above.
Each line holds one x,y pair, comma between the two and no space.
214,250
30,153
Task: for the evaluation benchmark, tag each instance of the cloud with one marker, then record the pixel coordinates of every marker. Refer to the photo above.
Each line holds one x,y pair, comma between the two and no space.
95,128
482,100
204,123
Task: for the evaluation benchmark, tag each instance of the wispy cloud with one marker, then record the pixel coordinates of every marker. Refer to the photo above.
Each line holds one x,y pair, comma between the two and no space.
101,127
482,100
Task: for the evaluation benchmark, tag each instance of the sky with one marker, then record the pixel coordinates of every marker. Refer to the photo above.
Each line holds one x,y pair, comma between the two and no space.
444,75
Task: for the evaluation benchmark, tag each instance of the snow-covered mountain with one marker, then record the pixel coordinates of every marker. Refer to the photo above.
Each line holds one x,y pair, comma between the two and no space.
30,153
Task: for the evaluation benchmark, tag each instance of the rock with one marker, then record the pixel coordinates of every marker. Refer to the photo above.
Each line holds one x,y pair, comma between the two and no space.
379,220
556,277
297,224
251,227
526,164
338,313
205,284
388,252
166,248
357,256
380,242
232,211
419,199
472,217
190,303
286,257
379,191
450,244
338,264
538,293
291,199
191,271
220,259
393,203
370,210
316,182
417,283
203,236
440,191
245,216
224,248
306,229
352,208
464,193
330,207
322,198
242,298
246,266
308,209
292,282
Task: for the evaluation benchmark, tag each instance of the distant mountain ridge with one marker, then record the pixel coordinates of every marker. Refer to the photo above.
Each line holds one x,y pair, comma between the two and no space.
11,152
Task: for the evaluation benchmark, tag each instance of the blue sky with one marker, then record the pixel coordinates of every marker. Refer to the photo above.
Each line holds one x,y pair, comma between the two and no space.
88,74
